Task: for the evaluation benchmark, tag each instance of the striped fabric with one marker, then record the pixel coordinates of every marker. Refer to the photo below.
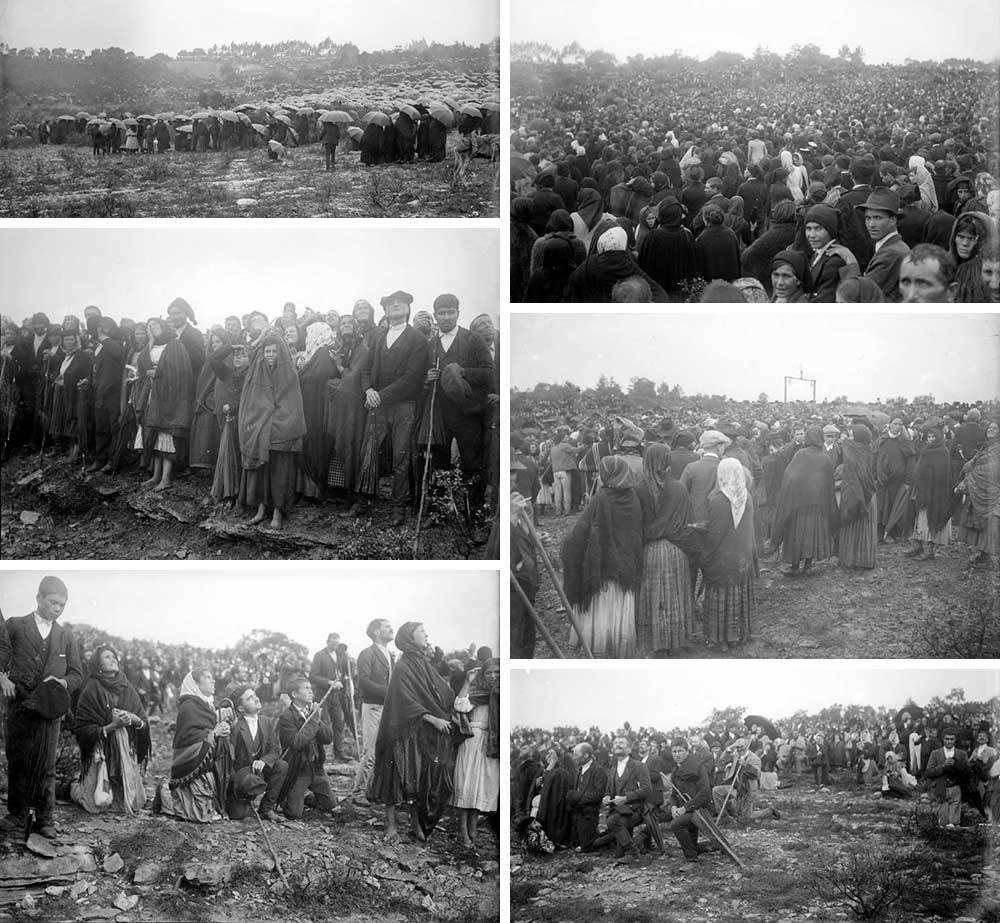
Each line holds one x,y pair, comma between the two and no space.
728,611
608,623
664,616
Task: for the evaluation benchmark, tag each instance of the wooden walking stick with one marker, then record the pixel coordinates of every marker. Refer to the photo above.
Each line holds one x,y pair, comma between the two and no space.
536,618
703,821
736,775
271,849
530,528
427,458
309,717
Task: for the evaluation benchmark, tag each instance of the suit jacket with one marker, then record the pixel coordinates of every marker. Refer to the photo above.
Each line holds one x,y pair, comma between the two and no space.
588,791
397,373
373,675
324,667
823,278
193,341
27,659
109,364
473,355
305,741
883,268
855,235
654,766
700,478
634,784
245,749
944,778
692,778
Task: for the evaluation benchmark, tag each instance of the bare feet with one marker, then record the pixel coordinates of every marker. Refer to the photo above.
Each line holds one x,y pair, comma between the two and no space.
148,484
278,520
162,486
259,517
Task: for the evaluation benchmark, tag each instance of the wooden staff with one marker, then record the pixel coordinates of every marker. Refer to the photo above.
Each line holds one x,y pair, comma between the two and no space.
736,775
427,457
705,823
319,710
530,528
537,618
270,846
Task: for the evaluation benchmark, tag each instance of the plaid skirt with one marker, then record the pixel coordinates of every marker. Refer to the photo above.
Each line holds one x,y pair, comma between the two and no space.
664,616
859,539
729,610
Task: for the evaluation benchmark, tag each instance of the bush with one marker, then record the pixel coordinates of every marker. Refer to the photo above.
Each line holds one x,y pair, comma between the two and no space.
109,205
73,161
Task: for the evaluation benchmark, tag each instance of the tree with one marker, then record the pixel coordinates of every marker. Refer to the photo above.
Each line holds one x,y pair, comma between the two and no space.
642,387
844,52
762,398
858,56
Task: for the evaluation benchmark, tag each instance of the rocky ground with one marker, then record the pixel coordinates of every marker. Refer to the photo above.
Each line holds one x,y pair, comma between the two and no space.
902,608
792,865
68,182
155,868
59,511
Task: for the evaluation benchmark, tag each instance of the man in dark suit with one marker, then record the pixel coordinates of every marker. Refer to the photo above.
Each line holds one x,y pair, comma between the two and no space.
31,356
324,673
881,212
625,797
699,477
35,651
948,770
585,798
304,730
106,384
253,743
855,235
462,397
392,383
693,792
654,766
375,665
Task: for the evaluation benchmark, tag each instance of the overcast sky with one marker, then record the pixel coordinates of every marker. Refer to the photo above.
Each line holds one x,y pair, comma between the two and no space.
952,356
920,29
215,608
148,28
661,696
225,270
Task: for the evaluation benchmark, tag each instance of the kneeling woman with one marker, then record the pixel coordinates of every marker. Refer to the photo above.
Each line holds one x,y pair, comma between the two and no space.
272,426
111,728
414,751
193,792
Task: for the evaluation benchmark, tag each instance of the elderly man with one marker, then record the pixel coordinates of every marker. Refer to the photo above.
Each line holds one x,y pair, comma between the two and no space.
948,770
585,798
375,666
628,788
881,212
739,778
927,275
39,671
699,476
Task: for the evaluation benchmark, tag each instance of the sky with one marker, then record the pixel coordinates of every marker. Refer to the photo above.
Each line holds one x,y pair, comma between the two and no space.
215,608
923,29
661,696
233,270
955,357
148,28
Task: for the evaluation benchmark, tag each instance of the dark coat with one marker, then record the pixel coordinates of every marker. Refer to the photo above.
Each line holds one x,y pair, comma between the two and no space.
718,250
304,742
245,749
473,355
945,777
883,268
27,659
397,373
634,784
373,675
756,260
109,365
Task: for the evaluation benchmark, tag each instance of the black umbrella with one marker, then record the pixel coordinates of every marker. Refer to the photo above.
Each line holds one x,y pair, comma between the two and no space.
759,721
914,711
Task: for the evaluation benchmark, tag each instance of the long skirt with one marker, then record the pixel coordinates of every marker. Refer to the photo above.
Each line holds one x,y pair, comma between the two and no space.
922,531
979,539
198,801
608,623
859,539
204,440
128,794
477,776
62,420
664,616
728,611
272,484
226,483
808,536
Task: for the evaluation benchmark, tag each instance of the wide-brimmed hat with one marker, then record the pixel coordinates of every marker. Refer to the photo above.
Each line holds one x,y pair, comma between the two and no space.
247,785
884,200
455,385
48,699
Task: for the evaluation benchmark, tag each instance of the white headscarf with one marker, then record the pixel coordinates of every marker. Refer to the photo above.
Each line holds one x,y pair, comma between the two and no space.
190,687
318,335
928,194
615,238
733,485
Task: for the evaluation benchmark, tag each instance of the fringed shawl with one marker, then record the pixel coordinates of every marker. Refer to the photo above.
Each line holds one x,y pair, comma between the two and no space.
193,754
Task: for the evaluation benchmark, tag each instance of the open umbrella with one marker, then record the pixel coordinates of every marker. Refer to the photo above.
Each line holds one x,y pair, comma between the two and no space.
243,117
355,133
83,115
379,118
185,128
143,117
66,118
94,121
228,115
539,125
204,114
335,115
131,122
277,147
410,111
914,711
284,119
307,110
444,116
261,130
450,102
245,107
127,115
492,105
470,110
118,123
760,721
18,127
164,115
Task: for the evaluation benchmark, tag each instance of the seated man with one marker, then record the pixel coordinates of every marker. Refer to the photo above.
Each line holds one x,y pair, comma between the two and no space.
584,799
690,792
627,790
736,792
948,770
254,746
303,734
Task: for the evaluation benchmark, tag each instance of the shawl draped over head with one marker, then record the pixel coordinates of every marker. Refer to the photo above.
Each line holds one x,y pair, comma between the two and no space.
928,194
415,689
169,403
615,238
482,692
932,485
807,482
589,207
605,545
318,335
271,414
733,485
982,483
665,503
165,333
193,751
318,369
858,474
99,695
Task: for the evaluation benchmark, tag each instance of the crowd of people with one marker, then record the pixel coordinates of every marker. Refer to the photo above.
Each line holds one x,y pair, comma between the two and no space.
667,501
301,406
588,790
425,729
822,187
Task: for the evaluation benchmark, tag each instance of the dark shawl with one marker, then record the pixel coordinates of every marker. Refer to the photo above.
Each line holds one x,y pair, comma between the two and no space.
553,811
93,713
857,477
665,503
193,753
345,420
313,377
807,482
668,255
482,694
169,409
982,482
415,689
271,415
932,485
595,278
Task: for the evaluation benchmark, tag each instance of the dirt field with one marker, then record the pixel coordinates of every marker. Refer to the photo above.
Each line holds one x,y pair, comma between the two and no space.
68,182
61,512
950,875
336,864
902,608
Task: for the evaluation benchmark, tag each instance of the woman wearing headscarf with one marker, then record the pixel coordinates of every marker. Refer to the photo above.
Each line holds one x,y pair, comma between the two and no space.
594,280
728,558
921,178
932,496
979,525
415,748
166,422
858,290
193,791
971,235
588,215
272,426
133,397
829,261
602,562
796,180
667,254
780,235
345,420
112,730
66,423
556,780
788,273
717,247
547,284
317,369
806,516
228,364
858,506
664,617
559,227
736,221
205,429
522,240
477,764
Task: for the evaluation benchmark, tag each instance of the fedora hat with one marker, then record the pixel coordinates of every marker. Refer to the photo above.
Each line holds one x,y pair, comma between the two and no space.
247,785
48,699
884,200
